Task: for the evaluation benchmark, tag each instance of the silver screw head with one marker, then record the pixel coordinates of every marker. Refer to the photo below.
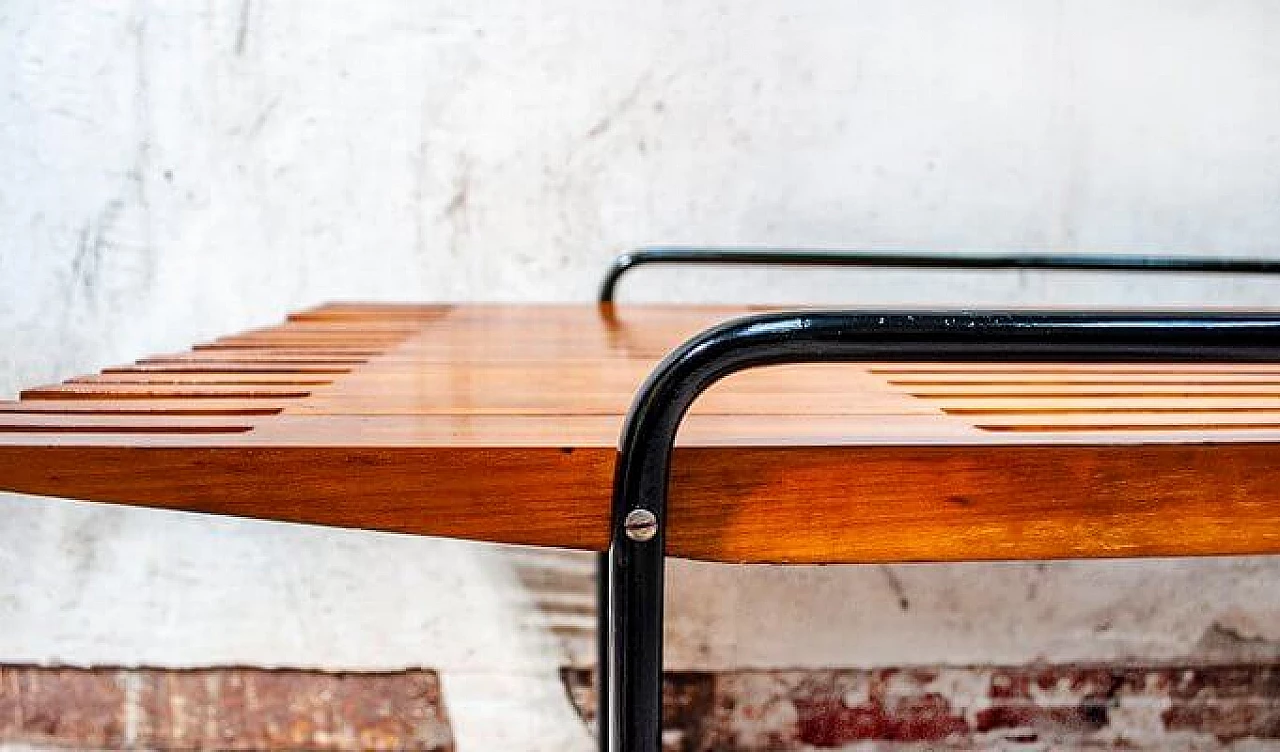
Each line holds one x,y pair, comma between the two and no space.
640,525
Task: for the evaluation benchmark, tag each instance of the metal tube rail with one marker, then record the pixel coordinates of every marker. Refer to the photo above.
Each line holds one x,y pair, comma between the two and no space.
632,718
924,260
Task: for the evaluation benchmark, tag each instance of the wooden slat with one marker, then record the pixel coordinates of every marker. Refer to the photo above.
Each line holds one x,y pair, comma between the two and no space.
216,378
141,407
76,391
916,369
1044,378
232,367
499,422
1041,391
148,423
1091,404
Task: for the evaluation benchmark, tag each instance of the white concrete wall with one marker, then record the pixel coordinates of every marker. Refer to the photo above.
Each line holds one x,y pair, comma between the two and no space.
169,171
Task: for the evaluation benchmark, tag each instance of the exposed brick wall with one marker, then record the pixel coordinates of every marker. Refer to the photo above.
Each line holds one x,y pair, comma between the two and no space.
222,709
975,708
1068,707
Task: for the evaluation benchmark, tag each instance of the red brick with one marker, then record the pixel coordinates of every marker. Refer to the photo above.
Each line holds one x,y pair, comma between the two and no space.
969,708
223,709
61,707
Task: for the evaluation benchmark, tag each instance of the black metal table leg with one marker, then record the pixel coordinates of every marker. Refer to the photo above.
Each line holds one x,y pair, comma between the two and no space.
602,651
636,553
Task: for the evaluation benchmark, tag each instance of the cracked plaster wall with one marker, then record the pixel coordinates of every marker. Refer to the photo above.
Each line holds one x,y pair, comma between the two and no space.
169,171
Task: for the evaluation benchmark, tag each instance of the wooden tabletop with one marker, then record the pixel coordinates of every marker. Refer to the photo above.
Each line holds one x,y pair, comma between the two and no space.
499,422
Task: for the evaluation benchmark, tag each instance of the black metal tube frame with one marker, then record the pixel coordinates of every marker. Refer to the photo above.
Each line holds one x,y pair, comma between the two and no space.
632,718
877,259
924,260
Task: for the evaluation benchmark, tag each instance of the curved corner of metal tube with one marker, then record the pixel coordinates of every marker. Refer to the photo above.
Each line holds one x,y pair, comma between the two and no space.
618,267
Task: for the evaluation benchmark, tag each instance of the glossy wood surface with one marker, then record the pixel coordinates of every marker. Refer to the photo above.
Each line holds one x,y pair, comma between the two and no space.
497,422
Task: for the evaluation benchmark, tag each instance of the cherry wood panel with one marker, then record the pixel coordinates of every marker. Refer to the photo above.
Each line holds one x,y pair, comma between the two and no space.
770,504
499,422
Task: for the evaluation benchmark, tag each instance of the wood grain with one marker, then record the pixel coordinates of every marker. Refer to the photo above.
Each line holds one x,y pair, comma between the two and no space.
499,422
